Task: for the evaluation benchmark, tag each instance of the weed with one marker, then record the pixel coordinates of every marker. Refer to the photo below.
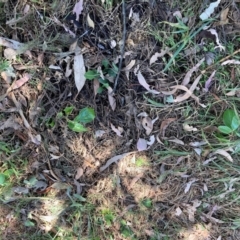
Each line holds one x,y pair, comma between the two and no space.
231,122
108,216
103,75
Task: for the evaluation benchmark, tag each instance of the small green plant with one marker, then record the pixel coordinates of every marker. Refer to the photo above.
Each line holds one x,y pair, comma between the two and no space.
108,71
141,162
231,122
86,115
108,216
147,203
4,65
126,231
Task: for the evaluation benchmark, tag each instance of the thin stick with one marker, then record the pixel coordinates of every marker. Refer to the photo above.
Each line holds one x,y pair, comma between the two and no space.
222,60
123,45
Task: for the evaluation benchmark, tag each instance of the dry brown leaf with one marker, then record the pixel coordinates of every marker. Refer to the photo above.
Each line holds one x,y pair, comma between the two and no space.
90,22
54,67
189,92
64,26
96,86
150,233
78,7
113,160
11,122
79,173
187,77
26,9
189,128
151,140
21,81
141,144
177,141
223,16
117,130
209,160
129,66
113,44
178,211
189,184
224,154
99,133
192,209
99,70
10,53
184,96
111,99
165,123
157,55
134,180
60,185
142,114
12,44
219,45
232,93
147,124
79,69
143,82
78,185
68,71
231,61
197,144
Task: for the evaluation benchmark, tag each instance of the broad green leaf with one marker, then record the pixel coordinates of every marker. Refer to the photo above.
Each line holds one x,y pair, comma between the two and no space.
50,123
76,127
235,123
31,182
9,172
100,90
29,223
105,63
2,179
154,103
91,74
104,82
147,203
68,110
228,117
113,71
86,115
169,99
125,230
59,114
225,129
79,197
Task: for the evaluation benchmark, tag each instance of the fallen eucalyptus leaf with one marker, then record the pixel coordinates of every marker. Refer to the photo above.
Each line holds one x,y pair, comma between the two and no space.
112,160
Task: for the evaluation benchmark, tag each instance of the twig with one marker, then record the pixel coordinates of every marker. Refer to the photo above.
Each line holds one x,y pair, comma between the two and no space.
123,45
222,60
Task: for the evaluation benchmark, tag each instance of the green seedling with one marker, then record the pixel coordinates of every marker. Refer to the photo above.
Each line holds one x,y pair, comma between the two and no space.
231,122
2,179
108,216
4,148
86,115
107,71
126,231
141,162
147,203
